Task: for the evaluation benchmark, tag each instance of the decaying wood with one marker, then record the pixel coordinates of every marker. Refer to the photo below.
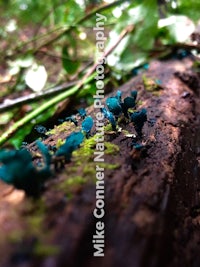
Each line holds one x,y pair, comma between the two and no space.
151,201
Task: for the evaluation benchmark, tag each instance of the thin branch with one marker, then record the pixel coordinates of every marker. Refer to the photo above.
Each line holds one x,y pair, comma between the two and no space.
185,46
12,103
46,16
79,22
49,54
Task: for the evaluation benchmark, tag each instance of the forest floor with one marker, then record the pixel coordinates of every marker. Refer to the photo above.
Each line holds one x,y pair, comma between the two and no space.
152,197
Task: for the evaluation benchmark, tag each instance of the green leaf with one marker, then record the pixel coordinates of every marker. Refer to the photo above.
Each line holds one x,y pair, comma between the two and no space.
189,8
70,65
133,50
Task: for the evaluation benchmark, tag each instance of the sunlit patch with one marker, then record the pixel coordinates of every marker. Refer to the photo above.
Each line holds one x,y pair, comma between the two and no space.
82,35
11,25
174,4
23,6
180,27
117,12
36,77
15,197
80,2
108,1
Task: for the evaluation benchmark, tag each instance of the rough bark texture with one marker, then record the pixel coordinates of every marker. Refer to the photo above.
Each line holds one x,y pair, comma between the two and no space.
152,199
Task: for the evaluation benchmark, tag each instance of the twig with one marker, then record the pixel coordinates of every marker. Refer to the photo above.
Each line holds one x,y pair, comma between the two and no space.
49,54
85,18
185,46
11,103
52,10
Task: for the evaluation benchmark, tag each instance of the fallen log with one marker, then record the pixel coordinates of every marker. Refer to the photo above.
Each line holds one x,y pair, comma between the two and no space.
151,200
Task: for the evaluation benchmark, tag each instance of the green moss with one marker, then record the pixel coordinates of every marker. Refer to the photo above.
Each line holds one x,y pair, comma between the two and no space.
87,148
34,221
151,85
89,169
140,102
15,236
64,127
125,132
75,180
108,166
108,127
59,142
82,163
46,250
86,151
69,184
111,148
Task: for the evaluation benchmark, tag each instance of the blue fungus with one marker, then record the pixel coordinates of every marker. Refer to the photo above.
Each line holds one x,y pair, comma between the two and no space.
87,125
182,53
18,169
135,71
52,148
110,117
40,129
158,81
139,118
137,146
134,94
139,69
72,119
146,66
72,142
151,122
45,153
23,145
61,120
129,102
114,105
82,112
119,96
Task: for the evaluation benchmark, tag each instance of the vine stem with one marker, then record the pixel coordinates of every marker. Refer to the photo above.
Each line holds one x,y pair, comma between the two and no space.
16,126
